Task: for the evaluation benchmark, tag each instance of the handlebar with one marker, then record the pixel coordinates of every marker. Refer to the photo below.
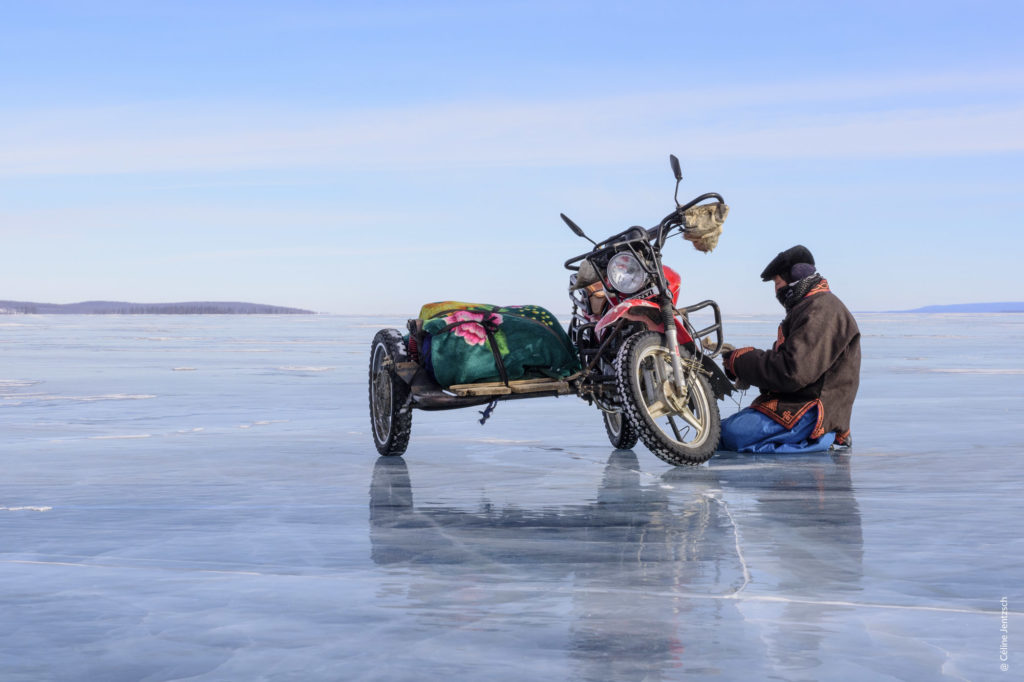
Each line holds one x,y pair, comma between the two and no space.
673,219
702,197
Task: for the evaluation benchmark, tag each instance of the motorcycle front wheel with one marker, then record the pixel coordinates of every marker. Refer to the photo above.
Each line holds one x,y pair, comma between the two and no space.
679,428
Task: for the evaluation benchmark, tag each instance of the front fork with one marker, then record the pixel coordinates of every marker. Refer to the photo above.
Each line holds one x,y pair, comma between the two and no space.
672,337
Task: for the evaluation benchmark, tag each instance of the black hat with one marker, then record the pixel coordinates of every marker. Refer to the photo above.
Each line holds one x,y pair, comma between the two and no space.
784,262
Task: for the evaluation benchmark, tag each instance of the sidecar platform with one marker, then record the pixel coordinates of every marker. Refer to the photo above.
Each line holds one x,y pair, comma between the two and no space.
522,386
426,394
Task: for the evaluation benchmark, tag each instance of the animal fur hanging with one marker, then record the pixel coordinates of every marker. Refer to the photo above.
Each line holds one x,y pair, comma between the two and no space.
702,225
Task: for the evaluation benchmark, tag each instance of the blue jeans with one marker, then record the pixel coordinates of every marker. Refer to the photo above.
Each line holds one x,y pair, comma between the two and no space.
751,431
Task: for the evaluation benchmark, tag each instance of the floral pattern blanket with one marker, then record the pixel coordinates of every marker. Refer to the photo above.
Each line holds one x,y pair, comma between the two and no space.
473,342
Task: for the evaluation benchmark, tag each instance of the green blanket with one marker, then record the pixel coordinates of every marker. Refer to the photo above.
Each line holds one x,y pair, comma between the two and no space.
466,337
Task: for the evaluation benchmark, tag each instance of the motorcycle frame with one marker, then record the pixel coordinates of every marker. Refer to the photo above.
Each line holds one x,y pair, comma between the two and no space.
646,246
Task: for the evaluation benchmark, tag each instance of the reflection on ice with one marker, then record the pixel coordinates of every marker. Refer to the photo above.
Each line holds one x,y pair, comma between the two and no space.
647,567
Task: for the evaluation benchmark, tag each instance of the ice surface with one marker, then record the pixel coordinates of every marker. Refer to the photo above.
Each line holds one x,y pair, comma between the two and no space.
233,522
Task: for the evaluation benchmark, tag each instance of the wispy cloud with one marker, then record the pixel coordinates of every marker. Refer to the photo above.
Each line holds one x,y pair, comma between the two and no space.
316,253
912,116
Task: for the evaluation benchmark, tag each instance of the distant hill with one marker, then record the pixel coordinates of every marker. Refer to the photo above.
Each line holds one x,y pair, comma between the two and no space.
1008,307
124,308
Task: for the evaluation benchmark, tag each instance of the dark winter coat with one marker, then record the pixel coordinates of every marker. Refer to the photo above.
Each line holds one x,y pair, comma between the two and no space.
815,362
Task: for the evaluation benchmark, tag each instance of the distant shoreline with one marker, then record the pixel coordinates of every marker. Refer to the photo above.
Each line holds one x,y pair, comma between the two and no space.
1003,307
127,308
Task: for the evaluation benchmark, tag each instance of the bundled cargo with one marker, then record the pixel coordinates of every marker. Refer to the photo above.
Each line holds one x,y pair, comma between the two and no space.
464,343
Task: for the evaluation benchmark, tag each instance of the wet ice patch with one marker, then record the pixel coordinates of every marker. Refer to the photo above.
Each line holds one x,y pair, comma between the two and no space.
125,437
7,384
499,441
94,398
263,422
299,368
32,398
953,370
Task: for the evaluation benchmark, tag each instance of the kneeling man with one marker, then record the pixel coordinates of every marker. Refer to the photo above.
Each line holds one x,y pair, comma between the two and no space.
809,379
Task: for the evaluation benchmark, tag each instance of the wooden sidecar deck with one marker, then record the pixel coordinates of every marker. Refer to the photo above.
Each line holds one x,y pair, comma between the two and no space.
497,388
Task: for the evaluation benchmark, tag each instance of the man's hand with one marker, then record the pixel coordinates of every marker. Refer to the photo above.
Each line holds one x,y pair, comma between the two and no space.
726,355
727,350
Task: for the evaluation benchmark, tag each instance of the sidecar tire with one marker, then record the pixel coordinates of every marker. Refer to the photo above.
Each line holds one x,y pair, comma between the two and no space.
636,366
621,433
390,405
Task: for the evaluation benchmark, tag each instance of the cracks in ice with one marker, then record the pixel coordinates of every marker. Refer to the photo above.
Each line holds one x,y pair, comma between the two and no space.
510,587
739,548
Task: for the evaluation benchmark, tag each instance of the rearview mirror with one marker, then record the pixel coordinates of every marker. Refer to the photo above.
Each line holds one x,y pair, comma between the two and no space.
675,167
577,230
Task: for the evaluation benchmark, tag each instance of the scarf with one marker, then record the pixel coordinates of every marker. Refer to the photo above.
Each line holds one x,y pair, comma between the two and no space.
791,294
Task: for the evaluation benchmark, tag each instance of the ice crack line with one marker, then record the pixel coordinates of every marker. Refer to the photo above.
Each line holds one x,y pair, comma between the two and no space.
739,548
508,587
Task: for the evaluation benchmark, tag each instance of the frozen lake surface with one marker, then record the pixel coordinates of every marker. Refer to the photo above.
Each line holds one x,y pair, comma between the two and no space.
199,498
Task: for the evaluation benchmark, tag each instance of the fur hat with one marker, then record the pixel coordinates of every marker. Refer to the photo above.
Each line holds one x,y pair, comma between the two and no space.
783,265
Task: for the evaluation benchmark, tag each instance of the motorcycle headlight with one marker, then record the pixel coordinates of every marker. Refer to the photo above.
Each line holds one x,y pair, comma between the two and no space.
625,273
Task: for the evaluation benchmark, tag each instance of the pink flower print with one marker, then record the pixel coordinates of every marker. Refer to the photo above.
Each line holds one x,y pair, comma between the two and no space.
474,334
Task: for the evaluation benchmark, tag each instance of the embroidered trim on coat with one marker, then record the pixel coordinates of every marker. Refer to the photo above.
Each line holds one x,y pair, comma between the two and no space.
819,288
788,418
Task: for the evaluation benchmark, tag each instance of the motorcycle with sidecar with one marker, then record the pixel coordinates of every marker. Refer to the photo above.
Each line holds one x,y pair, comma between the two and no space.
629,349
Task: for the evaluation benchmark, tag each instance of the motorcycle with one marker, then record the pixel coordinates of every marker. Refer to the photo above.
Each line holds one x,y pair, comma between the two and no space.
641,361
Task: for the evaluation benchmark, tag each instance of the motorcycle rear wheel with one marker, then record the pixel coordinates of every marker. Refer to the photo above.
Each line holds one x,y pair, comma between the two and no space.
621,433
390,412
677,429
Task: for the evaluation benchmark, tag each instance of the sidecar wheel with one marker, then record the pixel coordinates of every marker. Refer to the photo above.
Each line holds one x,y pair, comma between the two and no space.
677,430
621,433
390,408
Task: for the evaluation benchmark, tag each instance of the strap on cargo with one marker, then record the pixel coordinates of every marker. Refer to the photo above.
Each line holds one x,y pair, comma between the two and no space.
489,329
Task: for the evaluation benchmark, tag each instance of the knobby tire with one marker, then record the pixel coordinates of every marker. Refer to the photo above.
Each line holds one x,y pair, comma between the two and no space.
629,385
390,403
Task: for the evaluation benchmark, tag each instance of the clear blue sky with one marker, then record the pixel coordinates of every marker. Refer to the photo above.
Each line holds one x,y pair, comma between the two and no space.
356,157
